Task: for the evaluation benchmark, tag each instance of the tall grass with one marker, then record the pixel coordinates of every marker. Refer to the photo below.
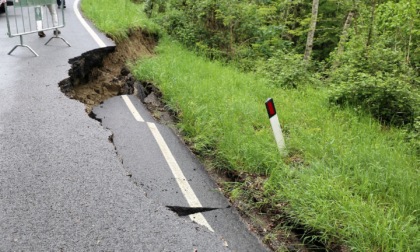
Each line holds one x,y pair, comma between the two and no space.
356,182
116,18
345,175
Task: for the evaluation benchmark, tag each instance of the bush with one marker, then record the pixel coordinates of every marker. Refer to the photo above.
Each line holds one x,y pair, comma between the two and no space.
286,70
376,80
388,99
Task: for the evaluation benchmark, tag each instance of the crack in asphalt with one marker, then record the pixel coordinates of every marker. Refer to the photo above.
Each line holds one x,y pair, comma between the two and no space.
185,211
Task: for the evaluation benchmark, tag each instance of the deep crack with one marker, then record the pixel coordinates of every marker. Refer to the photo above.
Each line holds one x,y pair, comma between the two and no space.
184,211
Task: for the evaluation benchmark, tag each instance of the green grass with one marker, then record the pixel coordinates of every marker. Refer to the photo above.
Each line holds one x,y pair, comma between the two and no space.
117,18
359,183
356,182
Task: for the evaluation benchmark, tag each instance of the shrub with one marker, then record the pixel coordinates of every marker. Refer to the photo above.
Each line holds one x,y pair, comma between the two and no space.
388,99
376,80
286,70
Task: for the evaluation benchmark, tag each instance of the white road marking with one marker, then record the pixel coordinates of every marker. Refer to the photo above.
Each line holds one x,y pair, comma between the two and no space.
132,109
179,176
85,24
183,184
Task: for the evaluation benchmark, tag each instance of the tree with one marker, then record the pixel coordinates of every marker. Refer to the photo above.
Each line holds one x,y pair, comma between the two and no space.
311,32
344,36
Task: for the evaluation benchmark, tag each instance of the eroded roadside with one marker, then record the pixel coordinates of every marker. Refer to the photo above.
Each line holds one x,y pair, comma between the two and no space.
100,74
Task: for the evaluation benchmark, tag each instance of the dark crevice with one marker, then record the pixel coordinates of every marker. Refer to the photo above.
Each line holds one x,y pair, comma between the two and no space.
111,138
184,211
94,117
310,239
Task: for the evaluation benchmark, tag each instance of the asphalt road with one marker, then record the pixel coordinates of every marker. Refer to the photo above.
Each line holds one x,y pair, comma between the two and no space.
142,157
65,187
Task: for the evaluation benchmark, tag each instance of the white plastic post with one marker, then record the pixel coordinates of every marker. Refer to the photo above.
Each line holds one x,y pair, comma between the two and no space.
275,125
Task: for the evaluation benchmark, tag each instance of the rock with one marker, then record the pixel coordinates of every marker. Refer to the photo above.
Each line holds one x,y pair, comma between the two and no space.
152,99
139,91
125,71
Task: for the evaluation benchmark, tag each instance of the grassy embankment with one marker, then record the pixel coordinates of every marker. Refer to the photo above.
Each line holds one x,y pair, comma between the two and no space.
345,175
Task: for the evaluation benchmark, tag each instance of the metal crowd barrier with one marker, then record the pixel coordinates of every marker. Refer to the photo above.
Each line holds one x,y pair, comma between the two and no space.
33,16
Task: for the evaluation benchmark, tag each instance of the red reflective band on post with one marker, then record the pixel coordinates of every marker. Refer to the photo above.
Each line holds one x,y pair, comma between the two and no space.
271,110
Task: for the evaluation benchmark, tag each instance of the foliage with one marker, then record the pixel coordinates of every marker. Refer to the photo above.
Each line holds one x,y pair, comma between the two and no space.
399,27
228,28
377,81
286,70
220,28
378,76
379,59
386,99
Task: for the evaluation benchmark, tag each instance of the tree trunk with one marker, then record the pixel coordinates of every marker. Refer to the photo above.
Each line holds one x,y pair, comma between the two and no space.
345,34
311,32
372,21
344,37
356,10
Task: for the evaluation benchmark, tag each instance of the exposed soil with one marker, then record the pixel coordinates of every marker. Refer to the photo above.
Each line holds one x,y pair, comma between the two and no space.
98,75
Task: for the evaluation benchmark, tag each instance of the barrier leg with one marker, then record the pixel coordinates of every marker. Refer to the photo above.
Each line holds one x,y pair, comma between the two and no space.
56,36
22,45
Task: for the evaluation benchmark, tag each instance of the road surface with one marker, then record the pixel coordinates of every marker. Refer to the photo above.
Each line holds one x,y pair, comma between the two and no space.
65,187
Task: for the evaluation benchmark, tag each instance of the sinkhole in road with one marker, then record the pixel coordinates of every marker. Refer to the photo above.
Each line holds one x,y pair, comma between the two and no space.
102,73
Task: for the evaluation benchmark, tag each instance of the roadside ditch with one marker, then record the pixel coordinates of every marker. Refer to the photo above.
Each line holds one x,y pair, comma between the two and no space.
100,74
